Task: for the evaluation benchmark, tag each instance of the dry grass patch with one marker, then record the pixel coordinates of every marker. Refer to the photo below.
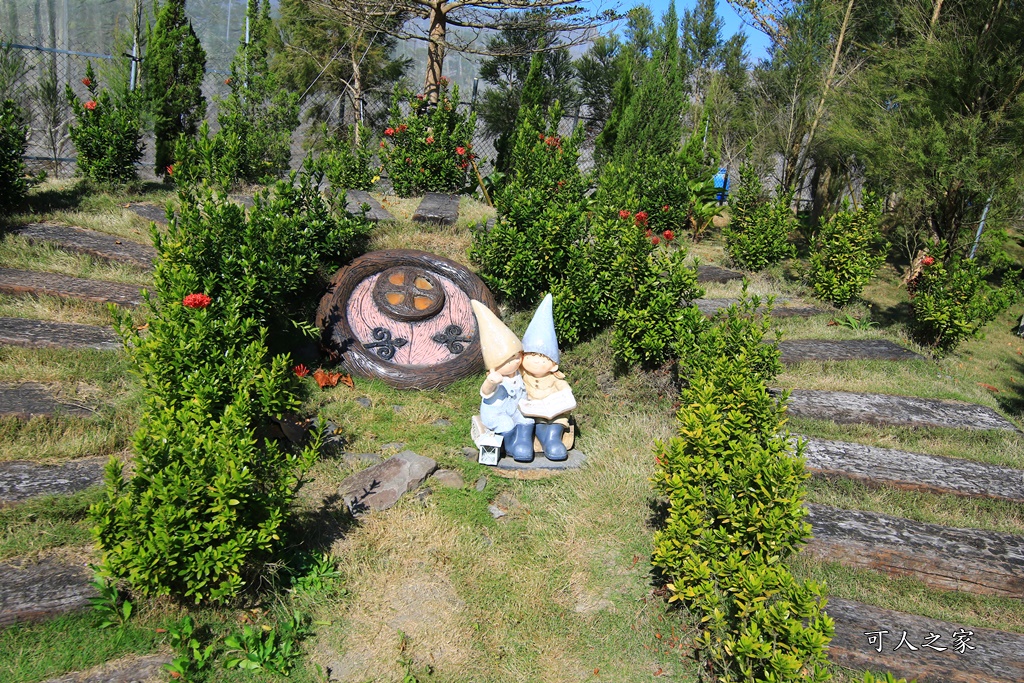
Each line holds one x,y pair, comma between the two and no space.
19,253
450,241
60,310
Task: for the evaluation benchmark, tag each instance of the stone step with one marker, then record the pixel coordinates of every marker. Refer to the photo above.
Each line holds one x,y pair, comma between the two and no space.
90,242
30,591
781,310
53,284
913,471
31,399
885,409
717,274
46,334
354,199
130,669
151,212
438,208
969,560
988,656
21,480
800,350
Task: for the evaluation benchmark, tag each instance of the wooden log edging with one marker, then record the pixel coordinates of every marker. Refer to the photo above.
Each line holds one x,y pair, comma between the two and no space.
802,350
45,334
987,656
711,306
885,409
913,471
437,208
130,669
21,480
717,274
90,242
32,399
968,560
354,200
66,287
30,591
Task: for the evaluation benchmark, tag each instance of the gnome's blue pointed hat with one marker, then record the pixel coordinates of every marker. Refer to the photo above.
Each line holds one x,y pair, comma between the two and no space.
540,335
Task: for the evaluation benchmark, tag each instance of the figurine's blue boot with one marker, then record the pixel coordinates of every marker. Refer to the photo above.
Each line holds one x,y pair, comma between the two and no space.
519,443
550,437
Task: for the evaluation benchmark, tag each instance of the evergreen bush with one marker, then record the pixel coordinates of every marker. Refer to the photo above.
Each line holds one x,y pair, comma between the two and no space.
430,149
758,232
172,79
846,252
13,139
346,163
107,132
952,301
735,514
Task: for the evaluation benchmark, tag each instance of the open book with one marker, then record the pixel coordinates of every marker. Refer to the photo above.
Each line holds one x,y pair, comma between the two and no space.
556,404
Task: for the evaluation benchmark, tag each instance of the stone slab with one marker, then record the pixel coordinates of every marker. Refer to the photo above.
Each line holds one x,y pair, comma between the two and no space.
245,200
151,212
885,409
31,399
913,471
717,274
781,310
800,350
53,284
30,591
438,208
90,242
380,486
996,657
540,467
131,669
21,480
354,199
968,560
45,334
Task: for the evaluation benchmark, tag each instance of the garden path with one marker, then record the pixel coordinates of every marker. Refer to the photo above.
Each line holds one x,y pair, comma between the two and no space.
46,334
54,284
90,242
32,399
354,200
21,480
802,350
437,208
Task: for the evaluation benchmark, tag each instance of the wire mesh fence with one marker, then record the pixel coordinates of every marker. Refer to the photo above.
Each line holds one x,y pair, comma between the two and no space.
37,77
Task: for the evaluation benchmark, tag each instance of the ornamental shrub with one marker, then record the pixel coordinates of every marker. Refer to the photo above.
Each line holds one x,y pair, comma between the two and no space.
259,113
107,132
847,251
953,302
735,514
13,139
758,232
172,79
348,165
430,148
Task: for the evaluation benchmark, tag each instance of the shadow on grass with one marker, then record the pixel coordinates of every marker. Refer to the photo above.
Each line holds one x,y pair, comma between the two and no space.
889,316
57,198
1011,401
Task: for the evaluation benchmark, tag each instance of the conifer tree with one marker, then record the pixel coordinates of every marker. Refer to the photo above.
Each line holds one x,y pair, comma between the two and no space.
172,76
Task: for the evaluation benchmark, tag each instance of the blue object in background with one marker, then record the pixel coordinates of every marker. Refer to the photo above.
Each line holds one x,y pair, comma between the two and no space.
722,183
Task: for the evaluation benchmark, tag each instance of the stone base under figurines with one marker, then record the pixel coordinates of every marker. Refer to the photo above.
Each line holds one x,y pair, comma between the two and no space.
540,467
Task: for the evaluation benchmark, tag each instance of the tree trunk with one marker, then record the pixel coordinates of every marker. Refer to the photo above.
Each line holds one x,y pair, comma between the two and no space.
357,98
435,52
821,181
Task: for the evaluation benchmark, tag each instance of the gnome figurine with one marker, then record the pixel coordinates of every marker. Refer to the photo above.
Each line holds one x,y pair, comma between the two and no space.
503,389
548,396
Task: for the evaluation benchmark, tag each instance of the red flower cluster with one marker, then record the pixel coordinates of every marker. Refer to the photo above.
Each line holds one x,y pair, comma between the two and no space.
389,131
666,208
227,81
382,143
86,82
655,241
927,260
641,218
196,301
90,105
301,370
460,150
430,139
553,141
668,235
170,170
624,214
402,128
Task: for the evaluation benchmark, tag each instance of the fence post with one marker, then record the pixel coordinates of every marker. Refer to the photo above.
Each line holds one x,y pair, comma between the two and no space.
472,102
135,44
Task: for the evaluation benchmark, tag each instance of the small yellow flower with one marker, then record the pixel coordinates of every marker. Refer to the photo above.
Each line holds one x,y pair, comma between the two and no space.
376,178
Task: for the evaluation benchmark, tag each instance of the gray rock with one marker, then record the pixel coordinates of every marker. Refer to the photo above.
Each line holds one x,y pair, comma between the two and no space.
507,502
398,409
449,479
131,669
393,447
379,487
437,208
354,200
470,453
481,483
364,402
495,511
574,461
361,459
442,423
424,493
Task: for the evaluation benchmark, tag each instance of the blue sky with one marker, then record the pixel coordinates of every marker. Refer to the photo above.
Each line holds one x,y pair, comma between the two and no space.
757,42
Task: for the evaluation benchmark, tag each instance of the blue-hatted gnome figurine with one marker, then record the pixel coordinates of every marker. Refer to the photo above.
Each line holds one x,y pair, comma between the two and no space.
548,396
503,388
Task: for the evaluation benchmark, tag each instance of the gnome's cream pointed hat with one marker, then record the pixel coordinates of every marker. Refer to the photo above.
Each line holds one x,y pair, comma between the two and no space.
497,342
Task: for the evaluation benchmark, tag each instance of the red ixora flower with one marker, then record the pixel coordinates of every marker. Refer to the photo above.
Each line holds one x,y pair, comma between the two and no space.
640,218
927,260
381,143
668,235
301,370
170,170
430,139
624,214
86,82
655,241
402,128
90,105
227,81
389,131
196,301
460,150
666,207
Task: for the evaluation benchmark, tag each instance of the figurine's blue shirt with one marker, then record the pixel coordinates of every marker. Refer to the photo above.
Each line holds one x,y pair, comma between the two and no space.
500,411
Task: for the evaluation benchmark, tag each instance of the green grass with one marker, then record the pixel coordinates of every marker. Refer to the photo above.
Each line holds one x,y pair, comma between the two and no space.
19,253
46,522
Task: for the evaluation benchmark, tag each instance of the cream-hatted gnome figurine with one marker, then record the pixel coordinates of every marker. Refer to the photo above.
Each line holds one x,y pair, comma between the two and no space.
548,396
503,389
